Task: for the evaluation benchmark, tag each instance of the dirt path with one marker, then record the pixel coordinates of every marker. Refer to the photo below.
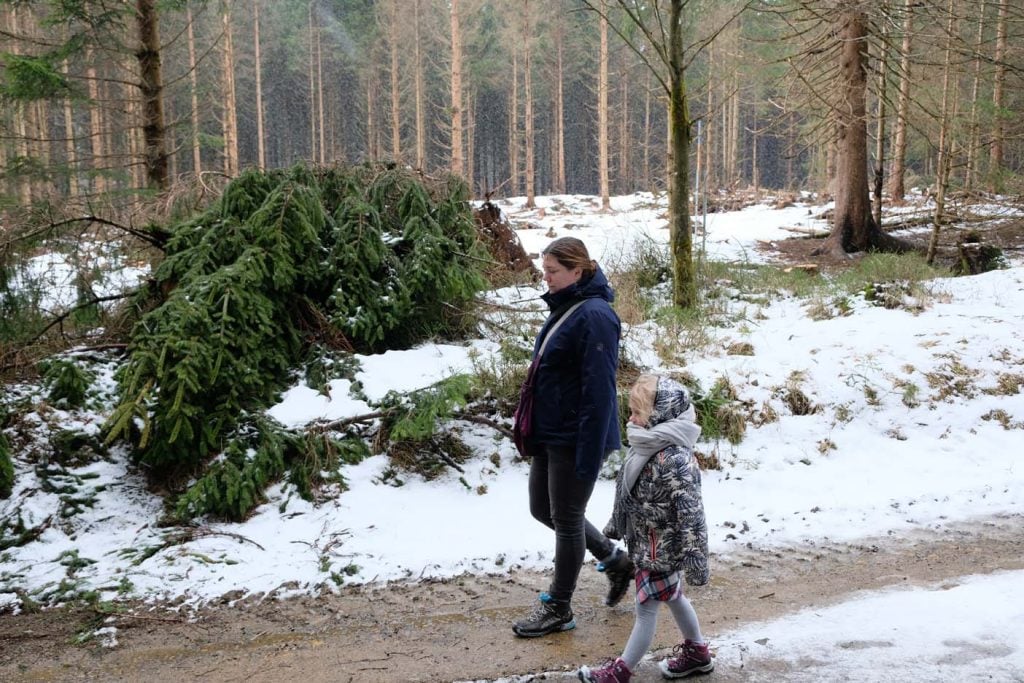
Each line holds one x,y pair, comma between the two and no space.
458,630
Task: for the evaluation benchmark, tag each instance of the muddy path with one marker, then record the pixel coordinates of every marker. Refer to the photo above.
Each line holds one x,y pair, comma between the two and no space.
458,630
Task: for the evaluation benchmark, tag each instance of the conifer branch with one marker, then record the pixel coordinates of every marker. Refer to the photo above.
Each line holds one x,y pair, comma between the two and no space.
155,238
480,419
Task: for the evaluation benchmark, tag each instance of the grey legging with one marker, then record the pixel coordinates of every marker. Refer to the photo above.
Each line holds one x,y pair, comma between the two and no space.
558,499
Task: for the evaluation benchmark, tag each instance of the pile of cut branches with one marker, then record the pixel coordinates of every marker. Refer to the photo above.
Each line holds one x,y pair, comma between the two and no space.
366,258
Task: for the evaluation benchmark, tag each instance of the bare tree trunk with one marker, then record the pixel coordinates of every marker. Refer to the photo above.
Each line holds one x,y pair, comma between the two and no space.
602,111
945,144
899,148
999,80
513,126
21,115
755,175
646,159
151,85
261,141
321,132
373,141
5,116
396,128
854,228
136,146
624,139
560,110
457,99
883,67
528,113
230,102
421,128
312,90
69,141
41,116
471,137
831,154
726,130
974,132
96,134
684,282
669,173
734,136
197,158
709,140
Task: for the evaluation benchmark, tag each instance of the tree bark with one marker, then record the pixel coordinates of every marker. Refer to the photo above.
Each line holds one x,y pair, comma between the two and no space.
879,177
197,158
69,140
21,115
261,142
854,228
321,130
711,177
470,137
528,112
998,85
457,165
623,182
96,134
151,85
732,149
421,127
684,283
899,146
312,95
648,180
396,126
559,106
513,126
974,131
945,144
230,123
602,112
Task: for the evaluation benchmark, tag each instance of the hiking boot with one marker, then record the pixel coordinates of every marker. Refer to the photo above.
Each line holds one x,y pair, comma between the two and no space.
548,617
687,658
619,570
612,672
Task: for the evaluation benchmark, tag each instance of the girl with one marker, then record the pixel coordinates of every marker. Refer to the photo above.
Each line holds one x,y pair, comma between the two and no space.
658,511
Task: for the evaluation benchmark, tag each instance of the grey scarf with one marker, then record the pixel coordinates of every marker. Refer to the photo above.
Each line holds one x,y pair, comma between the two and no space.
643,443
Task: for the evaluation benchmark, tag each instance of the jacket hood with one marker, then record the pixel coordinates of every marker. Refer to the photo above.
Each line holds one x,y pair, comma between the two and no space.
671,400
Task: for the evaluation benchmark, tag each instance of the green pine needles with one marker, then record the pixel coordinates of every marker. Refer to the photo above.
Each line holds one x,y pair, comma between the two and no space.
6,468
377,254
67,382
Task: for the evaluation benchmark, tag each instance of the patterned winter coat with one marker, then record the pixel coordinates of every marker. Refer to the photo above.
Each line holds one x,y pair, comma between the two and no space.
658,508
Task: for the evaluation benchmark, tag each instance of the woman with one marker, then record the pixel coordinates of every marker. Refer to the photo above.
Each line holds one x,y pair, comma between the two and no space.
574,425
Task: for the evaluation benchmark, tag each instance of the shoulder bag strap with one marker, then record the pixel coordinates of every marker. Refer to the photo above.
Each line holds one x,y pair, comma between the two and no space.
555,327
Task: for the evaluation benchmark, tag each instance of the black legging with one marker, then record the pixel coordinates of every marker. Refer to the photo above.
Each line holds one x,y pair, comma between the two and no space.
558,499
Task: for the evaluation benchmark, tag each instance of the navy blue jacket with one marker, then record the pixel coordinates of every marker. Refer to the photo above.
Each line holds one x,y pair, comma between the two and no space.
575,402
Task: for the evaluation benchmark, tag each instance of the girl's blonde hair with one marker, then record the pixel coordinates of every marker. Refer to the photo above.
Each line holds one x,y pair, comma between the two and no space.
642,395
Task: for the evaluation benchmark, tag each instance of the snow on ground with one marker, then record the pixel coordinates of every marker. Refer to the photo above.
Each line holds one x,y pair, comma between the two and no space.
917,426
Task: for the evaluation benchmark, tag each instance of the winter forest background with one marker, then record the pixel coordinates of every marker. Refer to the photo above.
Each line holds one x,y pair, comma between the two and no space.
517,96
250,288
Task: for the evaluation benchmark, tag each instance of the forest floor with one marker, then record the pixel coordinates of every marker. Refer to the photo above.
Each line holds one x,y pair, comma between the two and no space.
459,629
1006,235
